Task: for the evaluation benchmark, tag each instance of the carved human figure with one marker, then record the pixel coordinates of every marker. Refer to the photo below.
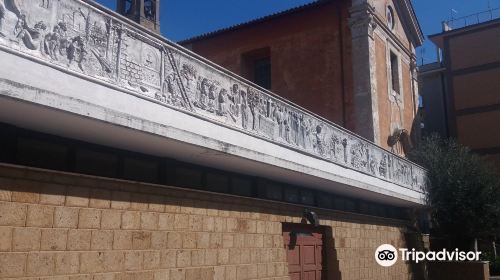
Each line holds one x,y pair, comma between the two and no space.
235,100
278,116
309,137
244,108
294,119
359,155
55,41
31,37
253,100
211,97
203,94
45,4
334,142
302,132
188,76
77,52
318,143
286,126
221,102
382,169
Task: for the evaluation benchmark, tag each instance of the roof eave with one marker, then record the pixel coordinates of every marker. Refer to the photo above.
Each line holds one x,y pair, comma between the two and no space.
413,22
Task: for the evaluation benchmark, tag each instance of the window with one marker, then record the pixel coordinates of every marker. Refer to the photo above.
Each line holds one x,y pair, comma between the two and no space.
142,170
256,67
42,154
395,73
150,9
189,177
262,72
270,190
128,8
217,182
325,200
307,197
47,151
391,22
242,186
94,162
292,195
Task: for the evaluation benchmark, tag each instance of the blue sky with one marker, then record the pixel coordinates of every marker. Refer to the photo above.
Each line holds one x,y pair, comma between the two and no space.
182,19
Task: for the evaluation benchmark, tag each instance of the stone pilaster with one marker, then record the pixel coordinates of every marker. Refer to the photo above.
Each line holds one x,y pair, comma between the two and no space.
365,97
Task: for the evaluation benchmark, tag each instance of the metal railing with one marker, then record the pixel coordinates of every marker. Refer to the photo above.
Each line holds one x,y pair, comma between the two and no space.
472,19
85,39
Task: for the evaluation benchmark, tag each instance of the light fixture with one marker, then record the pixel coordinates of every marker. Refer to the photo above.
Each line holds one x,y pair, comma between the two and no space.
311,217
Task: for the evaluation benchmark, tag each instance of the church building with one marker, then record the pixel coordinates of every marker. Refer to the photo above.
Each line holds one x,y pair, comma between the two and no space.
241,154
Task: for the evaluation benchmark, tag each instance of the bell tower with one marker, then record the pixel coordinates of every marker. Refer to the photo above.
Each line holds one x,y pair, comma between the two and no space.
144,12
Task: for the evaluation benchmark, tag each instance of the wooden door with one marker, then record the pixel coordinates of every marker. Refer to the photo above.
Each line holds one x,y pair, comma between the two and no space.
305,255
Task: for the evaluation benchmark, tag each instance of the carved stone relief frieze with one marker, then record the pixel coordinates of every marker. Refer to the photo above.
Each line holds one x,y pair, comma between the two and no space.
81,38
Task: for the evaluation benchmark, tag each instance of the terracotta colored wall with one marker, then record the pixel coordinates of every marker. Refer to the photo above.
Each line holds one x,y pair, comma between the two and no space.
384,105
409,99
388,111
380,10
467,50
306,56
475,87
63,226
479,131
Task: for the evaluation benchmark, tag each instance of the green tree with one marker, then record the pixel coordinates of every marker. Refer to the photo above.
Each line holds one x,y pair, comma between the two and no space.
463,192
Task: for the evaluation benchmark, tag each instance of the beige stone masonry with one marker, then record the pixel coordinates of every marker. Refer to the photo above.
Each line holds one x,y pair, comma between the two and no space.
71,227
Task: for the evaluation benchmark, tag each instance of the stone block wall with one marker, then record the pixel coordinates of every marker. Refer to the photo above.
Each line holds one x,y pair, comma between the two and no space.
72,227
459,271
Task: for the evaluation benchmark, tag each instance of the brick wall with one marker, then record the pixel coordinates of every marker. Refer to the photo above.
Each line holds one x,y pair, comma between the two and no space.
62,226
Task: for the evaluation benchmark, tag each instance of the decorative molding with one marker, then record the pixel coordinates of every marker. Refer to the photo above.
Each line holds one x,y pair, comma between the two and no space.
92,42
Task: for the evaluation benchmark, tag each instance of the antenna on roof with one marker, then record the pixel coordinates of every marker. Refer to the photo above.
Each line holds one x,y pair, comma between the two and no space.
453,12
422,54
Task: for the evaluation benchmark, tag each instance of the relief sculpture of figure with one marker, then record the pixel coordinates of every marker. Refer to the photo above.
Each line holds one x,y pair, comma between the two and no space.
188,78
77,52
2,16
244,107
221,102
318,140
54,42
234,100
31,37
278,116
45,4
302,132
286,125
211,97
203,95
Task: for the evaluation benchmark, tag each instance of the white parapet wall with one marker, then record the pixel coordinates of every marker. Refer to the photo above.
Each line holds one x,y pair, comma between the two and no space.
76,69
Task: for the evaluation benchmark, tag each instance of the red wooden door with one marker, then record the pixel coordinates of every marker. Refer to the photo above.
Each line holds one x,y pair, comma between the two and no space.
304,245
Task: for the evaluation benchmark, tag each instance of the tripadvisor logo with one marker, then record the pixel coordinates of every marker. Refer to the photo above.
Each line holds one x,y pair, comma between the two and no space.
387,255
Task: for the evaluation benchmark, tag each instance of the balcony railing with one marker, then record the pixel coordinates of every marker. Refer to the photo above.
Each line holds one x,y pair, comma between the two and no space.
473,19
85,39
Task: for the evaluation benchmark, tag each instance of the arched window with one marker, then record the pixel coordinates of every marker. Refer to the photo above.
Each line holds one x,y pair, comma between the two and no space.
391,21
